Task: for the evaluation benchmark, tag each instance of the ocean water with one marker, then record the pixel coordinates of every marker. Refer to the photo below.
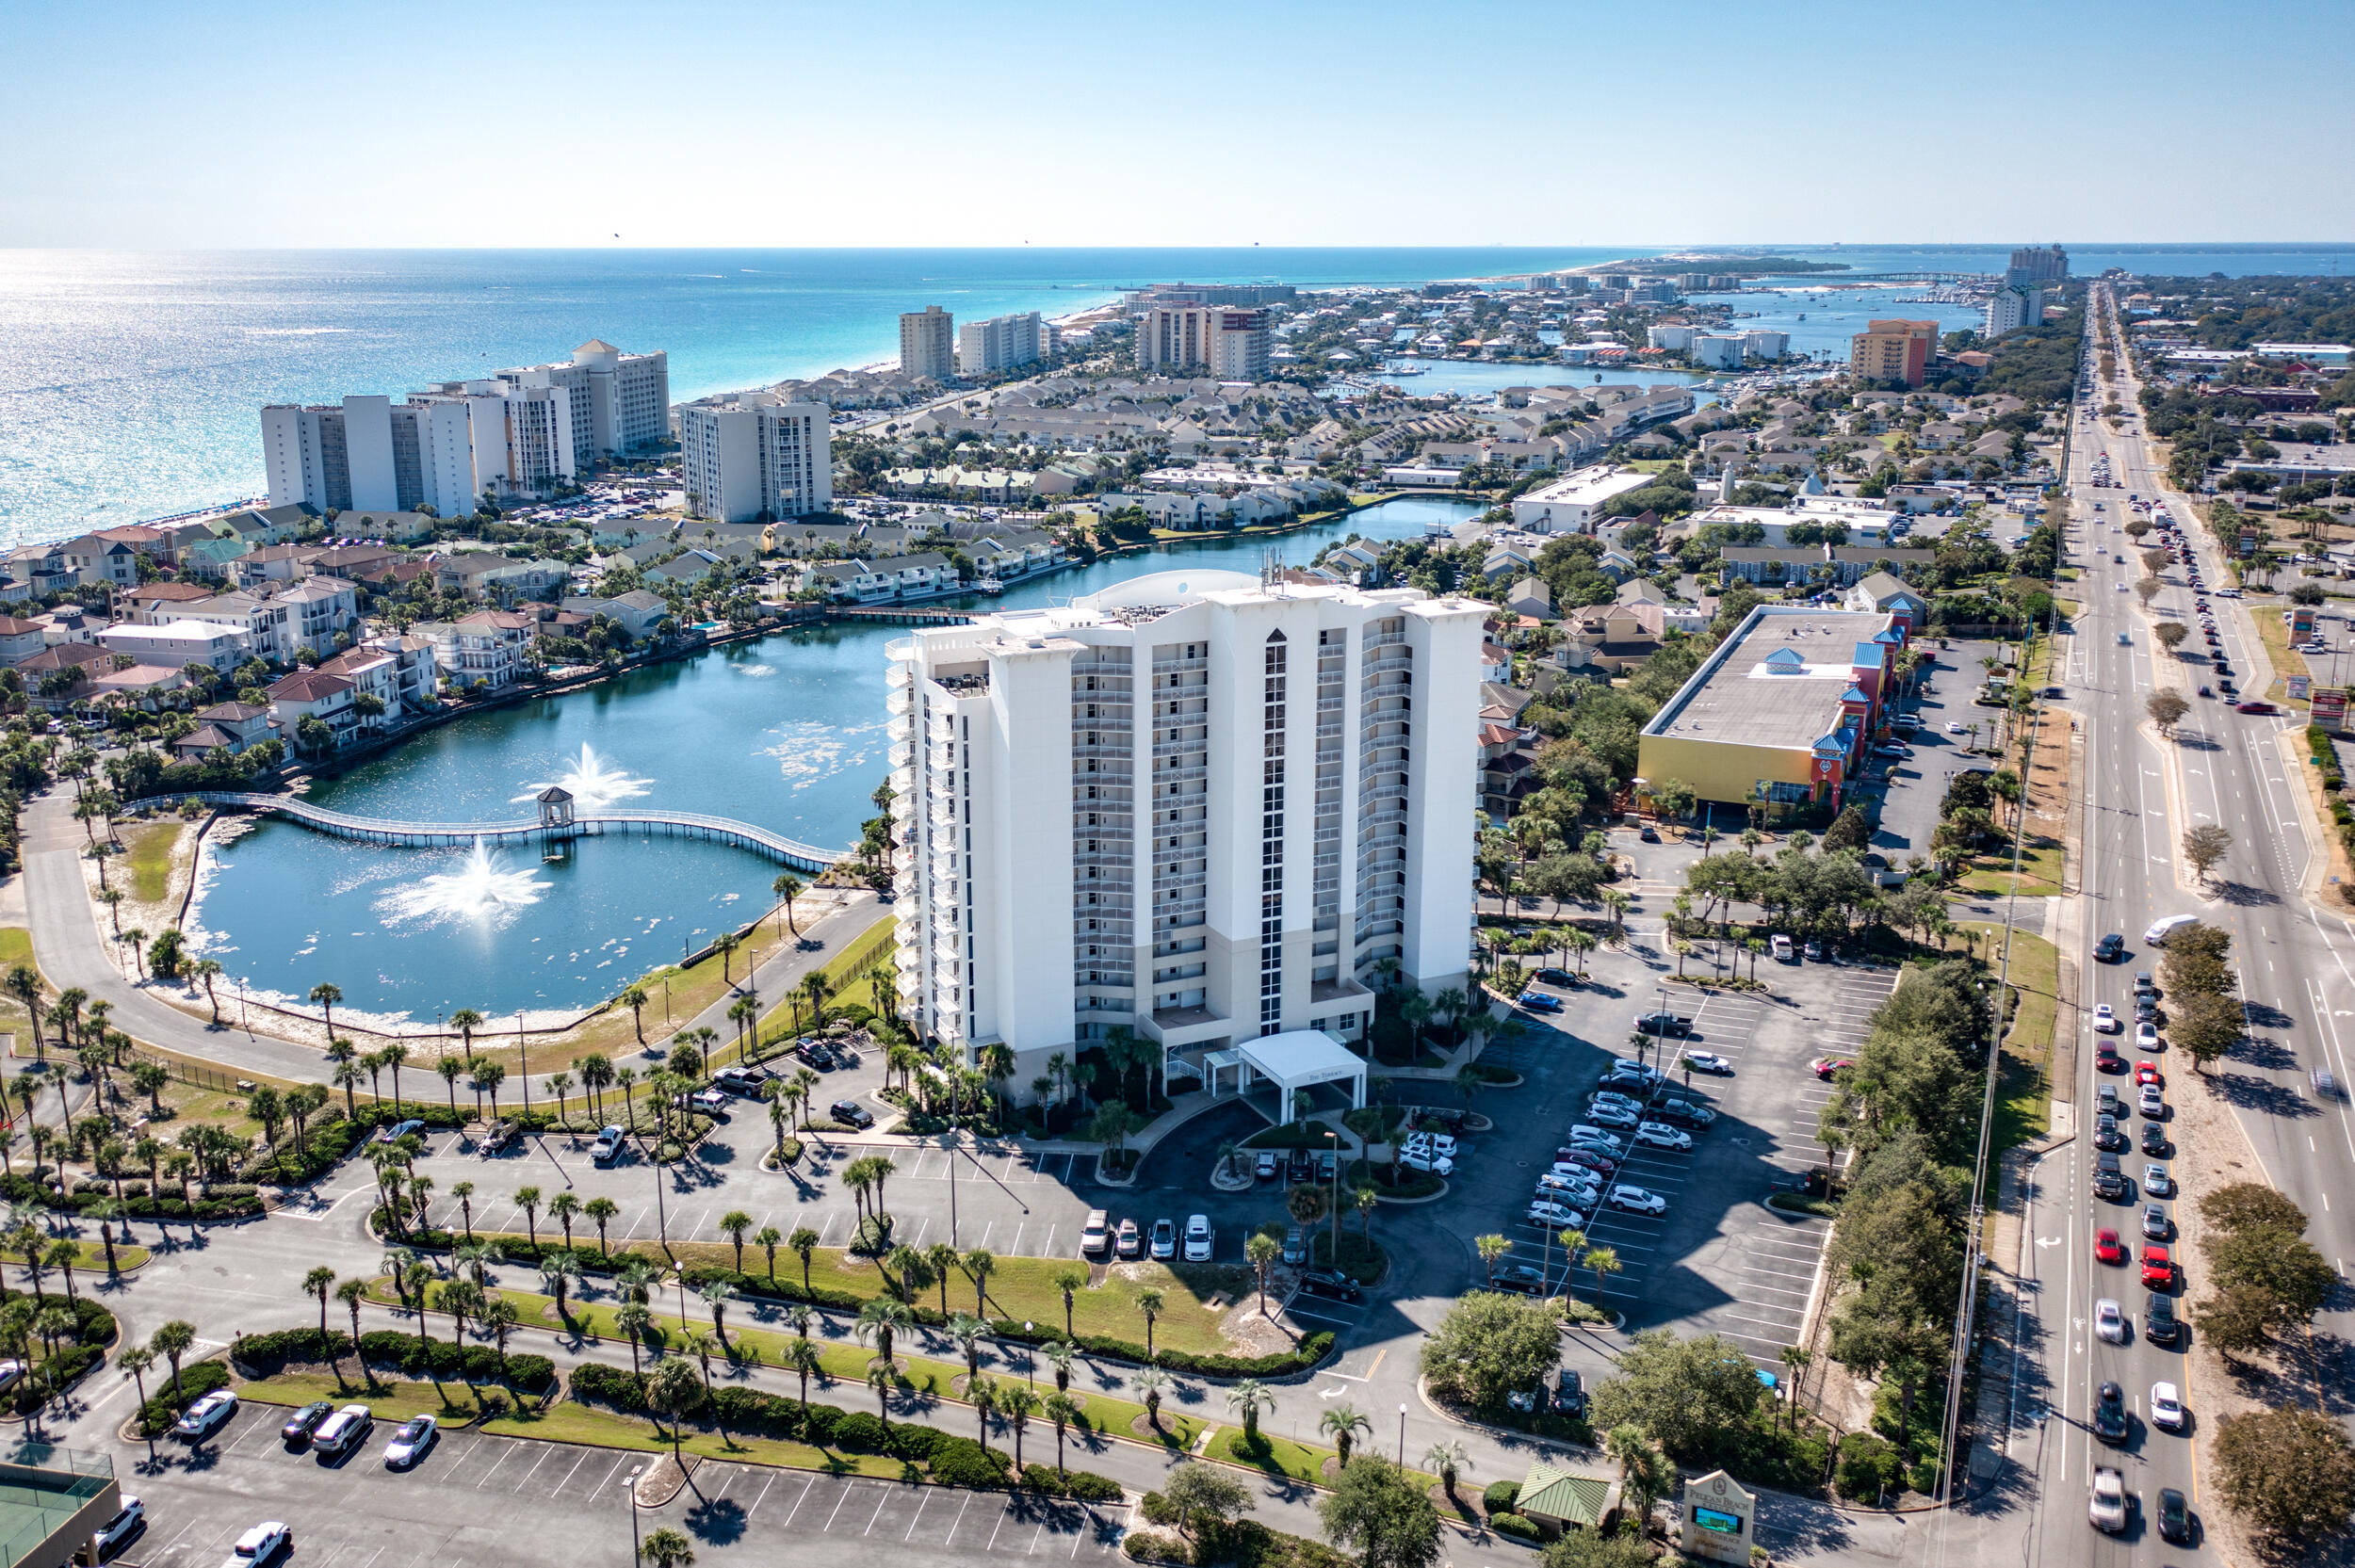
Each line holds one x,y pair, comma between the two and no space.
786,731
130,384
130,381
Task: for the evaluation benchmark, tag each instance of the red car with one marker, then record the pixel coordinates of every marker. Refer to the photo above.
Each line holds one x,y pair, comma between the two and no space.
2257,707
2148,1072
2108,1248
2106,1060
2158,1269
1826,1066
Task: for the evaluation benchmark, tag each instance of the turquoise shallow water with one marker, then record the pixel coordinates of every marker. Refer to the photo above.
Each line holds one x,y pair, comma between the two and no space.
785,732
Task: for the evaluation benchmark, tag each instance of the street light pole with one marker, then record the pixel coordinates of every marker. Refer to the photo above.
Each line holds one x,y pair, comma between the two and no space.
1402,1434
523,1060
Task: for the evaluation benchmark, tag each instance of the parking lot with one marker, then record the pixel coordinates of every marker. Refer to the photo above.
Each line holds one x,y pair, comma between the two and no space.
1718,1260
477,1499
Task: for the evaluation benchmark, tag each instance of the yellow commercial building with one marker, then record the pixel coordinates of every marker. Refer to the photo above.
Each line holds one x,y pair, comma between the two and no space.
1781,714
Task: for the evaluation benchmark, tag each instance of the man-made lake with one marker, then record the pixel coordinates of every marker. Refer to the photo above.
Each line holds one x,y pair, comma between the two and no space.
786,731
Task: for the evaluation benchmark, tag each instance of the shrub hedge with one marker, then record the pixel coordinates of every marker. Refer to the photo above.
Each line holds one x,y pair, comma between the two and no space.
1498,1498
953,1459
93,1330
1516,1526
264,1355
225,1201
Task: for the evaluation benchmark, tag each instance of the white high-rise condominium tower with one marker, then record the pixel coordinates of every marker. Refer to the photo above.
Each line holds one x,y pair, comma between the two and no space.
744,456
1193,805
1001,343
928,343
515,430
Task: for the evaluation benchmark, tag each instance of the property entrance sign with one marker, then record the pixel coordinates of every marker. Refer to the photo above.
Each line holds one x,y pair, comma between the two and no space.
1720,1519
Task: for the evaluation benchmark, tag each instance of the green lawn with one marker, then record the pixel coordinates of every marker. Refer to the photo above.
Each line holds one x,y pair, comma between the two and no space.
453,1404
1021,1288
2023,1091
2039,871
16,946
150,859
91,1257
844,1368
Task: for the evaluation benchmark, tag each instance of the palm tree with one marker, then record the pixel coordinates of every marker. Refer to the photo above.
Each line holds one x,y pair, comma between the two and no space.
318,1282
1016,1406
671,1393
880,1319
979,1263
23,984
136,1360
968,1332
1062,1412
667,1549
1343,1423
1796,1357
788,888
464,1192
558,1271
879,1378
715,1296
982,1394
561,1209
1248,1397
1060,1354
1149,1303
465,1021
802,1243
726,944
768,1239
1490,1249
633,1320
733,1224
1260,1252
327,994
351,1293
805,1358
172,1341
1447,1460
601,1211
1605,1262
634,997
527,1198
1149,1381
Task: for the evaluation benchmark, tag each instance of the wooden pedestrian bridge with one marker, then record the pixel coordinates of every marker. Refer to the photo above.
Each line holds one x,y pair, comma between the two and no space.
556,823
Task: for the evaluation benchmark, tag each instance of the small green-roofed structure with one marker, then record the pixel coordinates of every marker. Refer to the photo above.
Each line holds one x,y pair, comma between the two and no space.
1561,1499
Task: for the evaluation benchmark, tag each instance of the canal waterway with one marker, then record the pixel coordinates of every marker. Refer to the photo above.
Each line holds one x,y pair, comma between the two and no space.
785,732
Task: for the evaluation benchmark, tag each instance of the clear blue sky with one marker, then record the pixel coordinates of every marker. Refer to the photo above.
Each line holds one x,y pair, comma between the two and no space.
774,122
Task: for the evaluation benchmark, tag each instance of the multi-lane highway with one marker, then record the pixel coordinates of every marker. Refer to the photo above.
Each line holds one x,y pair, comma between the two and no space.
2296,966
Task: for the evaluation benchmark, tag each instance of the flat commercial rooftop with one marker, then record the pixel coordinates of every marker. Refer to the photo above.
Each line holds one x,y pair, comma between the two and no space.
1739,699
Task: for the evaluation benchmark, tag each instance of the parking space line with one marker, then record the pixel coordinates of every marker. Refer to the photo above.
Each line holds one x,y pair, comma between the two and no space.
1016,1247
992,1544
962,1503
882,1494
1048,1251
847,1489
806,1488
546,1449
1743,1318
619,1460
924,1497
506,1451
1773,1290
764,1493
569,1474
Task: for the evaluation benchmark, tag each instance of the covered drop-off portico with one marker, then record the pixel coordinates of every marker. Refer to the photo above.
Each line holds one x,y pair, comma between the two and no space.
1292,1061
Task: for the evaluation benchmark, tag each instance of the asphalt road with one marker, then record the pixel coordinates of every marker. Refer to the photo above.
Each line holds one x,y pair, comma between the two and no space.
2296,963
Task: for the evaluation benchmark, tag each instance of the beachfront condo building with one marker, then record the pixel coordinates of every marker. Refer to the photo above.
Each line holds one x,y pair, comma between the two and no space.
1223,341
1195,805
749,457
1004,343
2012,307
512,432
928,343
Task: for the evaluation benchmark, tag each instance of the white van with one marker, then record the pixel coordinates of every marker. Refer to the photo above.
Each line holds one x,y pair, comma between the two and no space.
2160,930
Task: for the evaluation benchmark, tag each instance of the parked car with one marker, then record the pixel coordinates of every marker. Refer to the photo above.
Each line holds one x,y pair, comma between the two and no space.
1295,1251
200,1419
1546,1212
259,1544
1613,1097
1093,1235
1557,976
1660,1136
410,1441
1824,1067
1523,1278
1128,1242
1538,1001
1329,1283
1423,1158
130,1517
1264,1166
850,1113
1586,1136
1200,1238
1708,1061
344,1431
1636,1200
1163,1244
1664,1023
1567,1160
303,1422
745,1082
608,1147
1558,1187
393,1132
1684,1113
1570,1392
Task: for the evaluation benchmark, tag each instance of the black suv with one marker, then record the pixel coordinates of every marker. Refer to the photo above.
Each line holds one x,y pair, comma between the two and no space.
1569,1392
1679,1113
1632,1084
850,1113
2154,1140
1329,1281
2111,948
2158,1319
2106,1137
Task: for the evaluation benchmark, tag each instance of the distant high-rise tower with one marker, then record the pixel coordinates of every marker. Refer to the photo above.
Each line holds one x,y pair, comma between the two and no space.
2037,264
928,343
